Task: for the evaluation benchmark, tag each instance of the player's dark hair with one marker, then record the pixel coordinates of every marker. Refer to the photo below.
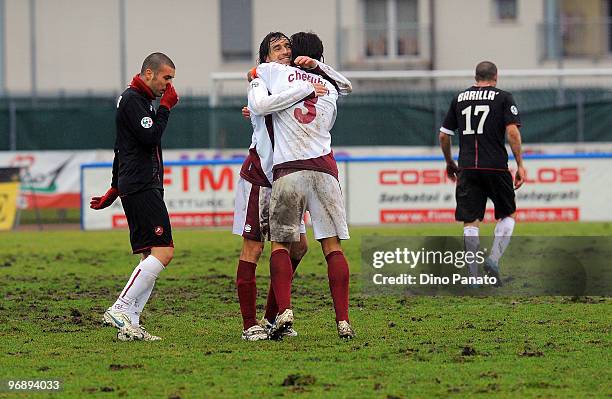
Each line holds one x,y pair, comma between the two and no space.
155,61
485,70
308,44
264,46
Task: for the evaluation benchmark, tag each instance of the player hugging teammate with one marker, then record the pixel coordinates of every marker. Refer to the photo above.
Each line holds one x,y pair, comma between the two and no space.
294,154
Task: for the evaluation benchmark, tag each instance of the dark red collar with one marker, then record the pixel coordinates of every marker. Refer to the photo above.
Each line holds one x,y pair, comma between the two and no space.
141,86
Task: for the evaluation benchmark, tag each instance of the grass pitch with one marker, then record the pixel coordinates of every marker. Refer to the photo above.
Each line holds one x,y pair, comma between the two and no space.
54,287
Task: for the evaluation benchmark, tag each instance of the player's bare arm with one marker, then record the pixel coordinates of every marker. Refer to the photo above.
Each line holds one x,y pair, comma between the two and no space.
514,140
305,62
451,166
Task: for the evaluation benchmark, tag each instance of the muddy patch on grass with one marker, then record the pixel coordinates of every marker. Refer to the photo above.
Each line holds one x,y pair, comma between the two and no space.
299,380
8,261
118,367
182,371
584,299
468,351
542,385
488,374
531,352
489,388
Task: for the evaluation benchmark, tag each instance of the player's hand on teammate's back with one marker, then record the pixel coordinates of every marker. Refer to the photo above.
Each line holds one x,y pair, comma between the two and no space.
519,177
245,112
169,98
305,62
320,89
104,201
252,74
452,170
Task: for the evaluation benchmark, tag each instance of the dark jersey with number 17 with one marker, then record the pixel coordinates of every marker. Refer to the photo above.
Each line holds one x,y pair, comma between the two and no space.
480,115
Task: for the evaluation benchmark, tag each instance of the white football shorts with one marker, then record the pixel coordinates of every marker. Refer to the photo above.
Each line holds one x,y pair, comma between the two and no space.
307,190
252,211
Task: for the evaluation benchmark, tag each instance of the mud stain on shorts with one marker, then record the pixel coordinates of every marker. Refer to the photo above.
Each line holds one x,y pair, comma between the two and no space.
286,207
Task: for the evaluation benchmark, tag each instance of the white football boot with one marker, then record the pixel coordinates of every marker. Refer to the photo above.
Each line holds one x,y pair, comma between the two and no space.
345,330
121,321
290,332
492,270
267,326
282,324
147,336
255,333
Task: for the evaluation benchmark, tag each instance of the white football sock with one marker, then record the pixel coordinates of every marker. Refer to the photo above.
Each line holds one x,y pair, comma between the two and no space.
122,305
471,243
138,288
503,233
139,305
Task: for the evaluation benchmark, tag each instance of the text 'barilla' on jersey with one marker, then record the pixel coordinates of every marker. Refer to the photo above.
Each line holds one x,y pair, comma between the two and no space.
470,95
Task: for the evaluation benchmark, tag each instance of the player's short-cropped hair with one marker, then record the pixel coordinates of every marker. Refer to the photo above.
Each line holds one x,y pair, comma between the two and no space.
485,70
264,46
155,61
308,44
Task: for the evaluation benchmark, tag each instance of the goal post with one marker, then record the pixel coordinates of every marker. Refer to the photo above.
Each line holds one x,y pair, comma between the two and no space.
556,105
225,85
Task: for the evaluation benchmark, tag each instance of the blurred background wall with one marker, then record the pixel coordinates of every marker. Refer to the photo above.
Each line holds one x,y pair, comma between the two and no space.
64,62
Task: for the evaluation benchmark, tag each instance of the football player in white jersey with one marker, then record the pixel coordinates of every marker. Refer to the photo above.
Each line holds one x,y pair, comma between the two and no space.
253,192
305,177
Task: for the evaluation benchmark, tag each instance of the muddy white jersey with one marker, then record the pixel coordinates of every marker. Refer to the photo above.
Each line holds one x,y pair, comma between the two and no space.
301,131
260,104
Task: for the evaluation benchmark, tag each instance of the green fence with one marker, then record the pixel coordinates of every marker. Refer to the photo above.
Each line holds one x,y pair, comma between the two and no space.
62,123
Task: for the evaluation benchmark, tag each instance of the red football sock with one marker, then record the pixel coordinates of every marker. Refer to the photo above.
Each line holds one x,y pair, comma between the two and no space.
338,275
247,292
281,274
271,306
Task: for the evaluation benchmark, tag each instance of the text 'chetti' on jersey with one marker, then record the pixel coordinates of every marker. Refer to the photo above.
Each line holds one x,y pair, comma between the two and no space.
302,139
480,115
138,163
